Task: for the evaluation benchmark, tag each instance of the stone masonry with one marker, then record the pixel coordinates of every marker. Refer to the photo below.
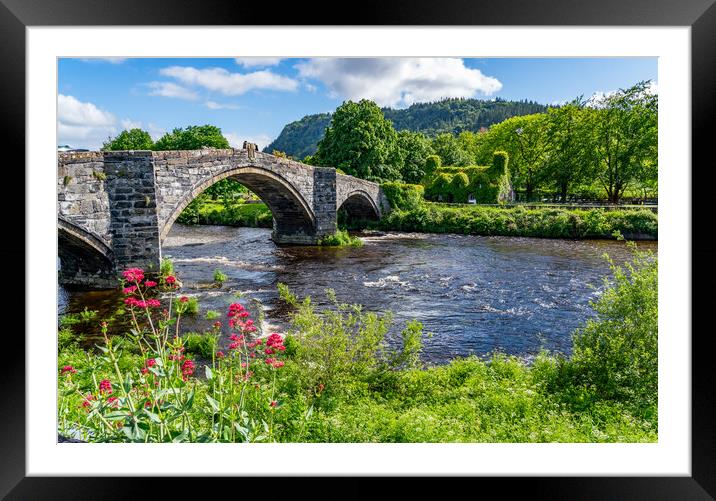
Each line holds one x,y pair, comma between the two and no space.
115,208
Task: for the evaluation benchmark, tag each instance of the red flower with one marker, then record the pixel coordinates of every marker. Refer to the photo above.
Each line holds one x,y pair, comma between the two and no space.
183,299
88,400
171,279
274,339
278,364
129,290
219,354
274,403
187,368
113,401
68,369
134,274
268,351
151,362
217,325
153,303
150,283
105,386
269,361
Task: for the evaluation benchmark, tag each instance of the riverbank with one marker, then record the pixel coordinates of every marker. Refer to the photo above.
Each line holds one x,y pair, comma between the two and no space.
300,388
427,217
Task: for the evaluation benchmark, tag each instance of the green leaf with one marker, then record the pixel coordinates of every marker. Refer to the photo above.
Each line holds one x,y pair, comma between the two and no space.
209,373
213,403
152,416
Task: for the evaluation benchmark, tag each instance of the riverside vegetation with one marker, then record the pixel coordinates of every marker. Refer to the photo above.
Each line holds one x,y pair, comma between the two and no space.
333,377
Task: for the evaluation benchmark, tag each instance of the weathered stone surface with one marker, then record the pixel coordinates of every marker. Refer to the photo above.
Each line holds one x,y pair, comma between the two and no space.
121,205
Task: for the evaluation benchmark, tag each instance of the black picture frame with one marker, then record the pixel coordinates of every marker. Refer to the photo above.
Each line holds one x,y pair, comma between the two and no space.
700,15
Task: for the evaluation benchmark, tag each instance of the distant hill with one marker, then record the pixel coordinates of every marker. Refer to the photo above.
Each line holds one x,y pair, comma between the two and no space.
300,138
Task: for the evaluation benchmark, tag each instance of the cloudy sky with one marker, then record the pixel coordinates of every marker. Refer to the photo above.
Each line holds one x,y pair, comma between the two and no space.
253,98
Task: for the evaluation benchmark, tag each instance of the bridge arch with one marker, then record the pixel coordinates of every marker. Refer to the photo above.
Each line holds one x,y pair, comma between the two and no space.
84,258
359,204
292,214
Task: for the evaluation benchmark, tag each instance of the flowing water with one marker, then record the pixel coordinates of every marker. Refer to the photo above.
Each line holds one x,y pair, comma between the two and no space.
476,295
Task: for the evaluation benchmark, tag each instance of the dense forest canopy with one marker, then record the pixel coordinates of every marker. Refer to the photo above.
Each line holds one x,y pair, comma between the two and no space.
300,138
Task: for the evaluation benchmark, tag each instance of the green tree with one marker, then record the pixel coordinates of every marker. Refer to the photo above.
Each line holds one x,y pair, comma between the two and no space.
524,140
624,139
450,150
361,142
134,139
415,149
567,154
192,138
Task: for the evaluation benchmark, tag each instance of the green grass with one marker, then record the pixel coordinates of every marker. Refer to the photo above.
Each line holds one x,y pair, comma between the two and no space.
206,211
341,238
522,222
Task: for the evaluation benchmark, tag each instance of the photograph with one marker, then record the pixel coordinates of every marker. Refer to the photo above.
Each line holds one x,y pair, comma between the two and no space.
357,249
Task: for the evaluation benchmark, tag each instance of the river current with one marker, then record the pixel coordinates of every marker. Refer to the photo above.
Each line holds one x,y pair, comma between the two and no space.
475,295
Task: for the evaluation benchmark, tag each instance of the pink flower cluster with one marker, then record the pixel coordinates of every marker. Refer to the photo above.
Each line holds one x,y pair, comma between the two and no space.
105,386
68,369
149,303
187,369
133,274
237,314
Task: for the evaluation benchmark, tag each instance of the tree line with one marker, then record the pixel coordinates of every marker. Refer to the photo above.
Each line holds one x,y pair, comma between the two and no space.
605,146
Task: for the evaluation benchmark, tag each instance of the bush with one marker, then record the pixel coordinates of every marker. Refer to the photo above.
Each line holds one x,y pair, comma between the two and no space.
403,196
204,345
340,238
616,353
219,276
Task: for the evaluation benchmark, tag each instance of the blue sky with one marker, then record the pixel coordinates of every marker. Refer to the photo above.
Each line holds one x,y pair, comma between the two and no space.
253,98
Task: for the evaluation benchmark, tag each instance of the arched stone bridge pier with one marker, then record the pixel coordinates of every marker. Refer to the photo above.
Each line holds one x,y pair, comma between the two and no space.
116,208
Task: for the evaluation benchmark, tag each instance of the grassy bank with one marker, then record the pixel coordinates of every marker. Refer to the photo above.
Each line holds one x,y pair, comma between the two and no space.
522,222
333,378
206,211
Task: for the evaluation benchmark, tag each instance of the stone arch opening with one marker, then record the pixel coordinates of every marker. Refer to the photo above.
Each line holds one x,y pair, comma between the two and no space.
356,208
84,259
293,218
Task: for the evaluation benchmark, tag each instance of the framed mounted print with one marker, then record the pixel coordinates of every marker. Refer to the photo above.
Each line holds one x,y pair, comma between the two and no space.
426,248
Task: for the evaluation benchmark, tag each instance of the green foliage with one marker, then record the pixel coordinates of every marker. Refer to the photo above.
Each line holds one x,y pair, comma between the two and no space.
134,139
188,307
361,142
219,276
166,267
212,315
450,150
99,175
300,139
193,137
616,353
403,196
432,163
66,180
487,184
340,238
518,221
204,345
415,149
204,211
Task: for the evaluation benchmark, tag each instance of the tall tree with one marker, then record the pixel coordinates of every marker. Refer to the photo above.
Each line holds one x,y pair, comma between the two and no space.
625,137
133,139
192,138
361,142
415,148
524,140
567,158
451,150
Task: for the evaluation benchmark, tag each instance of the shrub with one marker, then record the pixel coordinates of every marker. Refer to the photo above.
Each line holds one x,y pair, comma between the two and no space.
204,345
219,276
340,238
403,196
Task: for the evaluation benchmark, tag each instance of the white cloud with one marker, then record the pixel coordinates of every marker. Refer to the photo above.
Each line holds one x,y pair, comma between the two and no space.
250,62
213,105
227,83
398,82
128,124
83,124
111,60
170,89
237,140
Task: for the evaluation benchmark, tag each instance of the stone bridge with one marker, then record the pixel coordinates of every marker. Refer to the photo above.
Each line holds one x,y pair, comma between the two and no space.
115,208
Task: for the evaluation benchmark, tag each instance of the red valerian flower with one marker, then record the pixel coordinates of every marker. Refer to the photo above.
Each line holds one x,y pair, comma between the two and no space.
269,361
150,283
274,339
129,290
134,274
183,299
87,401
320,387
187,368
105,386
268,351
171,279
217,325
274,403
219,354
278,364
68,369
113,401
151,362
153,303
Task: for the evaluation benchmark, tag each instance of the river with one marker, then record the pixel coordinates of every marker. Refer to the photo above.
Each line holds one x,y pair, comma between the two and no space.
476,295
